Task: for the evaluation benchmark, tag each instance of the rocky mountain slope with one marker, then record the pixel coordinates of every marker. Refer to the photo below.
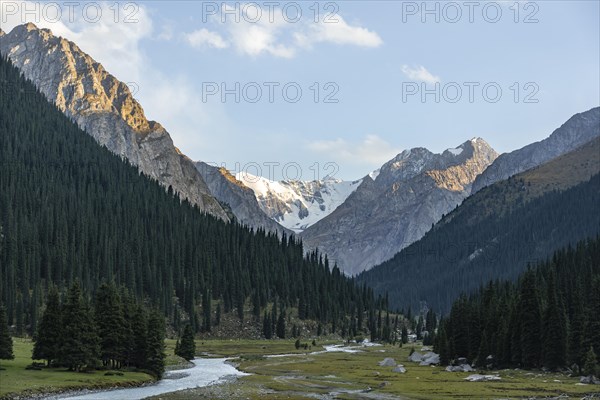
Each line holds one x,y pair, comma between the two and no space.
497,231
296,205
104,107
239,197
579,129
406,197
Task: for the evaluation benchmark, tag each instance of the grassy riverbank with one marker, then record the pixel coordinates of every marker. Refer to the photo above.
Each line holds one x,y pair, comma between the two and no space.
297,373
350,375
16,380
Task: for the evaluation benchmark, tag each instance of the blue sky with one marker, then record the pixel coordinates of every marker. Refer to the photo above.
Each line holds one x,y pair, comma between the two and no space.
370,53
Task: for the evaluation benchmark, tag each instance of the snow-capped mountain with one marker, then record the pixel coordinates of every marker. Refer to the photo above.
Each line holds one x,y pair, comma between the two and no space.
296,205
397,204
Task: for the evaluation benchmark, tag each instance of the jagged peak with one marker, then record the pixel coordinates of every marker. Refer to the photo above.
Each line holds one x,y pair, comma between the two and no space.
105,92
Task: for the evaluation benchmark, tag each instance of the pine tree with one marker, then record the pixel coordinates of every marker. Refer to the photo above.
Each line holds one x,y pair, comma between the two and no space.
281,325
267,326
218,315
49,334
404,335
110,323
590,366
6,344
206,311
187,347
593,329
80,344
529,321
155,351
441,345
554,344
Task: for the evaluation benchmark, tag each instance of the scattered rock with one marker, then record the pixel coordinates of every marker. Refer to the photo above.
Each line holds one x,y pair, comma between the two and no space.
482,378
430,359
589,380
387,362
399,369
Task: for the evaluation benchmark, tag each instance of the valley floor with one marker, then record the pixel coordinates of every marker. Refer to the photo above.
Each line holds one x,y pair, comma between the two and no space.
277,371
280,371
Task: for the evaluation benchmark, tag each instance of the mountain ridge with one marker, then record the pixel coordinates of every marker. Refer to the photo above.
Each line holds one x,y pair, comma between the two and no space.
104,108
386,214
497,231
576,131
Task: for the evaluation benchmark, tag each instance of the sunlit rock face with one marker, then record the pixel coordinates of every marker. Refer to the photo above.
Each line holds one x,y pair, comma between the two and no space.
398,205
105,108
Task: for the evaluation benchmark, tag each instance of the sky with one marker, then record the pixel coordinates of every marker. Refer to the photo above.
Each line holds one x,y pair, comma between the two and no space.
309,90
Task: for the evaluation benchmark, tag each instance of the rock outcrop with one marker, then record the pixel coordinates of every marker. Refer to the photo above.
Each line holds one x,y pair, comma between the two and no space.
240,198
408,195
578,130
105,108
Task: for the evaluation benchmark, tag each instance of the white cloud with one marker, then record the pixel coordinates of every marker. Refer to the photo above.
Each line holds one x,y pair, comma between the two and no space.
372,150
166,33
255,39
421,74
114,43
338,33
205,38
279,37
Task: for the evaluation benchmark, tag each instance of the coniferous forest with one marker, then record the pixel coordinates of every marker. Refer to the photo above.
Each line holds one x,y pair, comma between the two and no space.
492,237
548,318
71,211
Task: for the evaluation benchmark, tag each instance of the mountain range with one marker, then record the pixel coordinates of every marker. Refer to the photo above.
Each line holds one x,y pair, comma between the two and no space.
497,232
358,224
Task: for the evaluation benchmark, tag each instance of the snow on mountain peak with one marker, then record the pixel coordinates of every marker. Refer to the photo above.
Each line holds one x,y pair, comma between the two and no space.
297,205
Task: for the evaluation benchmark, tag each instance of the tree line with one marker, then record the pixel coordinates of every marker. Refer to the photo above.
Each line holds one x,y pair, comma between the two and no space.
548,318
494,234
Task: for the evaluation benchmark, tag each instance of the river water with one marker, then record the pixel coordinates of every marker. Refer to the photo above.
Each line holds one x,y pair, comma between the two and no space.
205,372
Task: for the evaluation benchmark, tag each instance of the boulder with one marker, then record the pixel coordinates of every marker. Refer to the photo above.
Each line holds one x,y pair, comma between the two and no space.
467,368
415,357
589,380
430,359
387,362
399,369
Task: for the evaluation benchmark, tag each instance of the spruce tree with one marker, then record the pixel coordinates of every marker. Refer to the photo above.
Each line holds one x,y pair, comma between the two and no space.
110,324
218,315
139,337
155,350
528,310
590,366
49,336
441,345
554,344
80,341
6,344
281,325
206,311
187,346
267,326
